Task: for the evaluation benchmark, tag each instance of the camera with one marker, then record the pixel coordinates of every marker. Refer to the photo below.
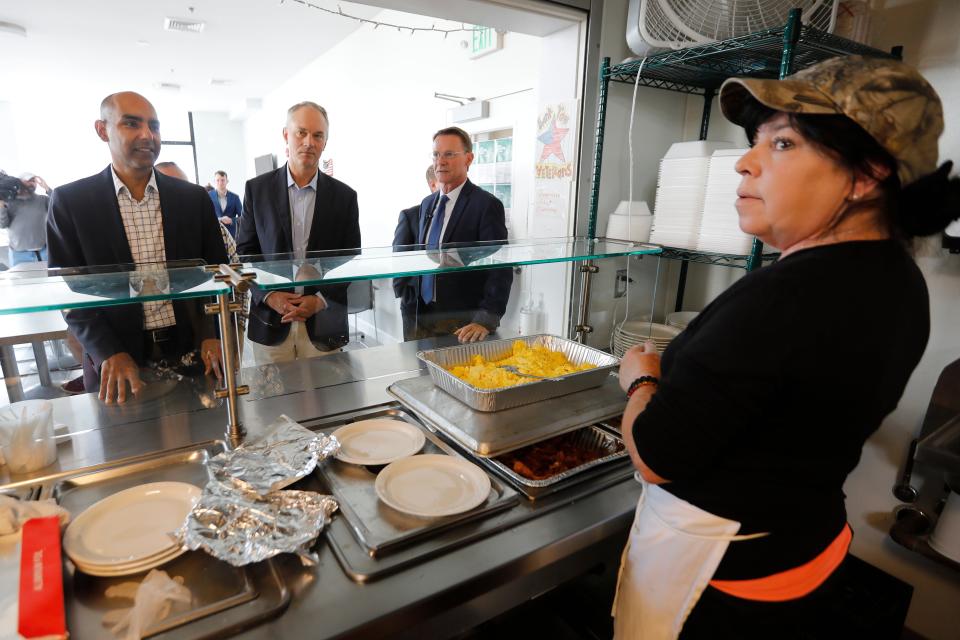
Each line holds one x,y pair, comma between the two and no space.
9,187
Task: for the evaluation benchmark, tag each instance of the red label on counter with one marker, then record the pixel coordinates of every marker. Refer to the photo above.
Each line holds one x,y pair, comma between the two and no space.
41,580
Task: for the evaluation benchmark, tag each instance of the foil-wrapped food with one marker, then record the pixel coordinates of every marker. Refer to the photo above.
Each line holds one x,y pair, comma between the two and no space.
243,516
244,527
285,454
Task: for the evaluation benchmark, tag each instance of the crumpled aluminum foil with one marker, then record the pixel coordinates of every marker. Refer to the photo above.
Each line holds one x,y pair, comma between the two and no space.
242,527
243,516
287,453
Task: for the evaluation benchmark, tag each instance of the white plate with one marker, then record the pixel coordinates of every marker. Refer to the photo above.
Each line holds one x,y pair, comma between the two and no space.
378,441
432,485
130,526
130,569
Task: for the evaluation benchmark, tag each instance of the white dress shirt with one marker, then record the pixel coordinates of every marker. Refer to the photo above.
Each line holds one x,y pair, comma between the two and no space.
143,224
451,203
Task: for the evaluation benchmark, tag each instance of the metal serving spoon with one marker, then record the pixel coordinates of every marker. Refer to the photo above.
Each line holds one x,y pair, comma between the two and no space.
512,369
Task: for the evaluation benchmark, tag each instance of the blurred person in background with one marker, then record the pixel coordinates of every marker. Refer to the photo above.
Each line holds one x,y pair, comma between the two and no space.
174,171
24,215
226,203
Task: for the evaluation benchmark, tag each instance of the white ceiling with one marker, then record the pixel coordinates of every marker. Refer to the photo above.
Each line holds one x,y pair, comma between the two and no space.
78,51
93,47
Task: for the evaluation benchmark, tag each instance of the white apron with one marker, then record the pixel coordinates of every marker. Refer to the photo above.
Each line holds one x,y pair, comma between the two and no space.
672,553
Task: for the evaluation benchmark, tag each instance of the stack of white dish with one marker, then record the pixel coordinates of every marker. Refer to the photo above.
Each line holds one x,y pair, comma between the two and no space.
681,185
633,332
680,319
130,531
720,225
630,222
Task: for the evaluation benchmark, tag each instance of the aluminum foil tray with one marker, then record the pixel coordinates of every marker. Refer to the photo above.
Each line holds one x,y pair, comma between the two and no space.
534,391
595,438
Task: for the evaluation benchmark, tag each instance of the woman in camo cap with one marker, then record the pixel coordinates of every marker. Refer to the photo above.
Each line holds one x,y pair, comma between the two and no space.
746,431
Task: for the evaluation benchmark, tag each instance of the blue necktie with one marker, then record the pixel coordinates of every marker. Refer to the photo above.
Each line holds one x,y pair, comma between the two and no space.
433,242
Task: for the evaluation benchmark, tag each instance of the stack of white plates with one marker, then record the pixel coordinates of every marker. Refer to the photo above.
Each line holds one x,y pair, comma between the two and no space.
681,185
680,319
130,531
720,226
634,332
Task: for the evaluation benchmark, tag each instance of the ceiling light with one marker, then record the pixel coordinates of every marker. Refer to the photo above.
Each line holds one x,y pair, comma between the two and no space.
143,43
167,86
220,82
13,29
183,24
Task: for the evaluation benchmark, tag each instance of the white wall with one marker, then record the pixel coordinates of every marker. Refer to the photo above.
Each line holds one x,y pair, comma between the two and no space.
220,147
61,145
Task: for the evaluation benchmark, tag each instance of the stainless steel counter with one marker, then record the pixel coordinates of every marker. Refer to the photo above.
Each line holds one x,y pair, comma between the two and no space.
439,597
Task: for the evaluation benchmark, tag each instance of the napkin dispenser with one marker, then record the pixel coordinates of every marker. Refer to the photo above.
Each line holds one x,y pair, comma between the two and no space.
41,607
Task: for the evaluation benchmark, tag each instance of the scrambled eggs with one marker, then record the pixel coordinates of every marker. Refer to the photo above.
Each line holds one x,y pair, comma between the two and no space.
536,360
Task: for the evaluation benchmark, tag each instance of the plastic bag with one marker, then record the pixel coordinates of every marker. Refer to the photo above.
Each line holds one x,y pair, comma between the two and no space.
152,600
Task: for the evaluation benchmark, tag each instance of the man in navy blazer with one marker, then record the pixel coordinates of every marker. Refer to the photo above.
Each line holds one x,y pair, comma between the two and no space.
128,213
294,210
226,204
468,304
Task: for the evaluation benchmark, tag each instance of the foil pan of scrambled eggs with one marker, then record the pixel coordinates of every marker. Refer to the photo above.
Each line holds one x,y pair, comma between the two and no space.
473,373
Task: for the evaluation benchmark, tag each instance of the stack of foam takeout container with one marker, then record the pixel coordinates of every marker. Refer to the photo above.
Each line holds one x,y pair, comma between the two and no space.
681,187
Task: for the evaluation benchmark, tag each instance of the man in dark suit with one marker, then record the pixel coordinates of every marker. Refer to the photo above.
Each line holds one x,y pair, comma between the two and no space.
468,304
130,214
226,203
293,210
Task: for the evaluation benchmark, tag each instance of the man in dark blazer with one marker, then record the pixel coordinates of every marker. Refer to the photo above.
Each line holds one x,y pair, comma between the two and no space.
226,204
294,210
468,304
130,214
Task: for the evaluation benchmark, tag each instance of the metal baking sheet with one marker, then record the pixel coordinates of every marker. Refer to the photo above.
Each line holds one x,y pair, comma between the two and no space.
240,598
609,447
376,526
490,434
438,360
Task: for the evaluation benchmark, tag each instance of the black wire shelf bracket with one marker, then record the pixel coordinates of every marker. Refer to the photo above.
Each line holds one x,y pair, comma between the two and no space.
734,260
758,55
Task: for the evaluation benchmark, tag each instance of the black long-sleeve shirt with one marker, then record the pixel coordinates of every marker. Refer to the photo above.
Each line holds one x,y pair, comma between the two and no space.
768,396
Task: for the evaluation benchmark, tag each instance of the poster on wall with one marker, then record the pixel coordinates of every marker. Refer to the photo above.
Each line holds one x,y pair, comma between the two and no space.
556,145
555,167
551,205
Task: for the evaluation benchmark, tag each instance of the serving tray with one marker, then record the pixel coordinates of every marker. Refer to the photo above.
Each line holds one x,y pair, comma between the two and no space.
491,434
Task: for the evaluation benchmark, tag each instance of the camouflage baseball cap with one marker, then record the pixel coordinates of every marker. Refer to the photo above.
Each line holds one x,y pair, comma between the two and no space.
888,99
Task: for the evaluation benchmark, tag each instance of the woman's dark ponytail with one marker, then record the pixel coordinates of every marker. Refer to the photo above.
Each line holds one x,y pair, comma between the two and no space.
927,205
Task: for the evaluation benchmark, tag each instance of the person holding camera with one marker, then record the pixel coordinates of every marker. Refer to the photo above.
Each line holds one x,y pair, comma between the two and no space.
23,212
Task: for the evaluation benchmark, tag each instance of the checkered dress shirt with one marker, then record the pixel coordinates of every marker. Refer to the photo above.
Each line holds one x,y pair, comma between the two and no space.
143,224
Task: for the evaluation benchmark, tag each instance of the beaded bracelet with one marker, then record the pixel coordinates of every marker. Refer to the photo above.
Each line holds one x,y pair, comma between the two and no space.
642,381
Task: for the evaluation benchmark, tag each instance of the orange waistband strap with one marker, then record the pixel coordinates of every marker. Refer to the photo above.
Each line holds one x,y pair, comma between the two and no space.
792,583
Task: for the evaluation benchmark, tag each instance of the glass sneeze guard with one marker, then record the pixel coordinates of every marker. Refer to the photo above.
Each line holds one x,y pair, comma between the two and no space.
331,267
49,290
105,286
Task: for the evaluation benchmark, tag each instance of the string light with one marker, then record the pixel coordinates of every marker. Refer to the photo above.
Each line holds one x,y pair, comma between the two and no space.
399,27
